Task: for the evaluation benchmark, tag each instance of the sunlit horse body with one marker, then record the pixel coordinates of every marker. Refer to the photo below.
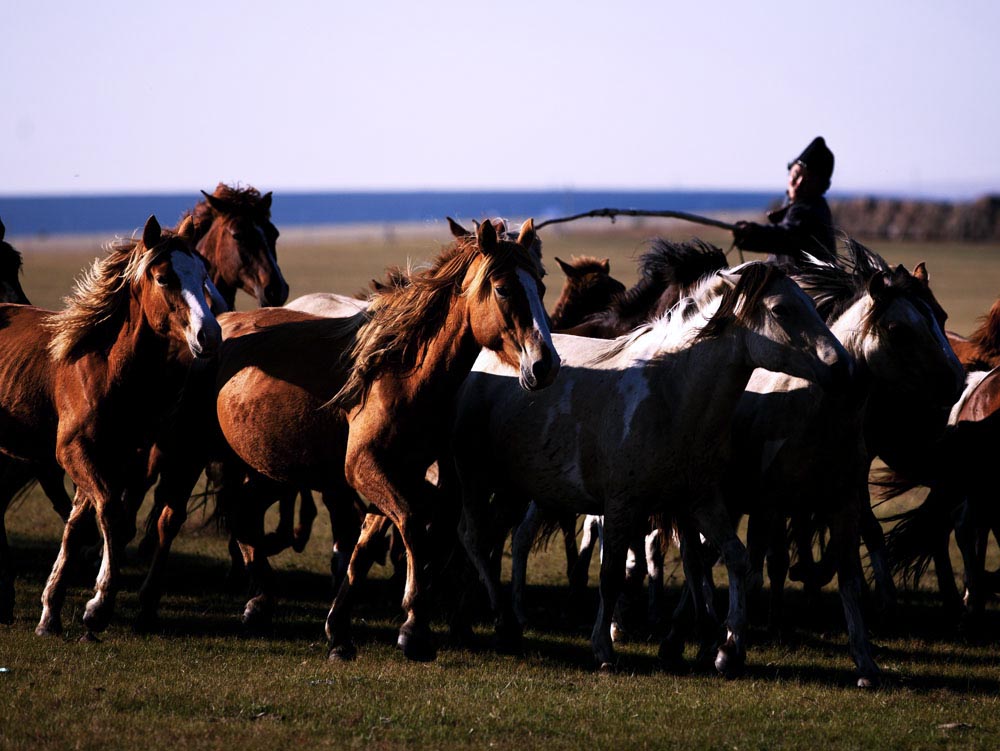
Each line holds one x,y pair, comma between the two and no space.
638,425
84,390
362,405
805,451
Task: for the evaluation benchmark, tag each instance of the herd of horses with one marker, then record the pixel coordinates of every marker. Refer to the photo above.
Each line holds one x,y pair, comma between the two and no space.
442,411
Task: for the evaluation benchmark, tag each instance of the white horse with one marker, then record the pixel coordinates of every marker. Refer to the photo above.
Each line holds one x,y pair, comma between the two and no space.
637,425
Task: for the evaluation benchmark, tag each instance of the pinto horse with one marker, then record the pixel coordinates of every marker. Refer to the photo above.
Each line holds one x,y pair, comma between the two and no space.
235,236
10,268
638,425
369,399
85,389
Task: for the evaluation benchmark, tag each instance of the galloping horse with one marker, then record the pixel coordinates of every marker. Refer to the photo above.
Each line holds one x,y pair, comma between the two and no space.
370,399
85,388
235,236
10,268
638,425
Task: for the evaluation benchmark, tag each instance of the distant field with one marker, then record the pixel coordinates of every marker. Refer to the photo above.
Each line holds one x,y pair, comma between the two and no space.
202,683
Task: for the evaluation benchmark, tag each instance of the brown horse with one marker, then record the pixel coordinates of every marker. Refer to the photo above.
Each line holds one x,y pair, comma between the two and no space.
235,236
369,398
981,350
10,268
589,289
86,388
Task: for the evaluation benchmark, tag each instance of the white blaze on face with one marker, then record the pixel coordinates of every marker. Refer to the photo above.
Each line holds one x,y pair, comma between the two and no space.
191,272
541,324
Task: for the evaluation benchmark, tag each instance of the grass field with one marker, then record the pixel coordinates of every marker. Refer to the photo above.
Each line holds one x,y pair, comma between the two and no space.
203,683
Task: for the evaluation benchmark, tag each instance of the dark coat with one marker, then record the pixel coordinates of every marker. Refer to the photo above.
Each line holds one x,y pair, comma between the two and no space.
799,228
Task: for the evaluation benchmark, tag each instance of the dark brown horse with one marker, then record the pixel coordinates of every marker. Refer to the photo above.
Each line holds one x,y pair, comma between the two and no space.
10,269
589,289
369,398
234,234
85,389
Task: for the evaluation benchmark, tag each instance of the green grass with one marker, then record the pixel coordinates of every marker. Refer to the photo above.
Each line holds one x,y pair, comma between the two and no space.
203,683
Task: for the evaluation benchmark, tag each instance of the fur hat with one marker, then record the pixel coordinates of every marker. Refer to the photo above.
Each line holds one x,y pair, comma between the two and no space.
817,158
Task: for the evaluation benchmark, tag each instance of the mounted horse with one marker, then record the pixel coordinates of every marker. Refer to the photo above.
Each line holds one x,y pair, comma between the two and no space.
86,388
638,425
370,398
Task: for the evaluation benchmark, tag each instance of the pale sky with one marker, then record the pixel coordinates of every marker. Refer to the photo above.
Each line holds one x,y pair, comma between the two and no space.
285,95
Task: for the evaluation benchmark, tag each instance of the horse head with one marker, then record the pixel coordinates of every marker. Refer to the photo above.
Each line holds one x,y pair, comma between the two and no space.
173,288
10,268
505,291
784,332
589,289
240,245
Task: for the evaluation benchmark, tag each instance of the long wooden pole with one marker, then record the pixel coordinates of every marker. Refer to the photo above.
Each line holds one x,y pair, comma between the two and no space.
612,213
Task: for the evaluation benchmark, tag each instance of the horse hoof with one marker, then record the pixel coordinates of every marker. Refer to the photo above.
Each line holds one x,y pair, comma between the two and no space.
869,682
342,653
96,619
728,663
619,635
417,645
606,668
51,629
257,616
89,638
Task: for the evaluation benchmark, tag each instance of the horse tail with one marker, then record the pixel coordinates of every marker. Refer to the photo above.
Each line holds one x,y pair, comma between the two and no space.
552,524
911,542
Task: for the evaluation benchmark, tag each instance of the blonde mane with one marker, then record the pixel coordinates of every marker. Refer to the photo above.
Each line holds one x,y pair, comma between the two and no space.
100,296
406,315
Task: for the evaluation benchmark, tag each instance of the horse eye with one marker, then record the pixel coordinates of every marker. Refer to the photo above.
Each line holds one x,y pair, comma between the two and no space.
501,291
780,311
162,280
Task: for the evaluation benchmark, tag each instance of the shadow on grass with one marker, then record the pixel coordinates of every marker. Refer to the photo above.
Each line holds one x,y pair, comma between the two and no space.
198,603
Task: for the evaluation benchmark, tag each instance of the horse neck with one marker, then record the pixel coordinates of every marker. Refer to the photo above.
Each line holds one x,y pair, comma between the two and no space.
208,246
447,360
139,350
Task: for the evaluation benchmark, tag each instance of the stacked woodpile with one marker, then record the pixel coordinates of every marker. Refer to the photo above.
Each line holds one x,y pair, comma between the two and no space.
895,219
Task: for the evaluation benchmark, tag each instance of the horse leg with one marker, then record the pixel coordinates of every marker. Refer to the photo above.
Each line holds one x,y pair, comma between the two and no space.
567,525
307,515
692,602
653,544
966,528
55,587
614,554
523,539
713,521
349,563
472,530
14,475
593,529
874,539
177,480
777,571
626,618
850,580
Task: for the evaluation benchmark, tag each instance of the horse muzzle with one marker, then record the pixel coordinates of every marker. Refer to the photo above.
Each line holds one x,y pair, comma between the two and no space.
538,368
206,342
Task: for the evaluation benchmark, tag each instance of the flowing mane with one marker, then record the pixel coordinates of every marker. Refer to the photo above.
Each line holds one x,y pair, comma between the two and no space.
835,286
986,337
406,314
243,200
100,297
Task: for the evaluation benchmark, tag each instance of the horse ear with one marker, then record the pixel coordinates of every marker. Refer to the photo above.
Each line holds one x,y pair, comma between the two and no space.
919,271
186,230
606,265
151,232
568,270
527,237
486,236
217,204
457,230
377,286
265,201
878,283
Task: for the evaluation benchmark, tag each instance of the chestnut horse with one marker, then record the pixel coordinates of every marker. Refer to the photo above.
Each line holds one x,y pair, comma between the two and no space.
10,268
638,425
235,236
981,350
361,405
86,388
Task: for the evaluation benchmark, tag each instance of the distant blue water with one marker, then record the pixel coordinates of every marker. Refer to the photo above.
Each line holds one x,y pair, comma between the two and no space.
124,213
